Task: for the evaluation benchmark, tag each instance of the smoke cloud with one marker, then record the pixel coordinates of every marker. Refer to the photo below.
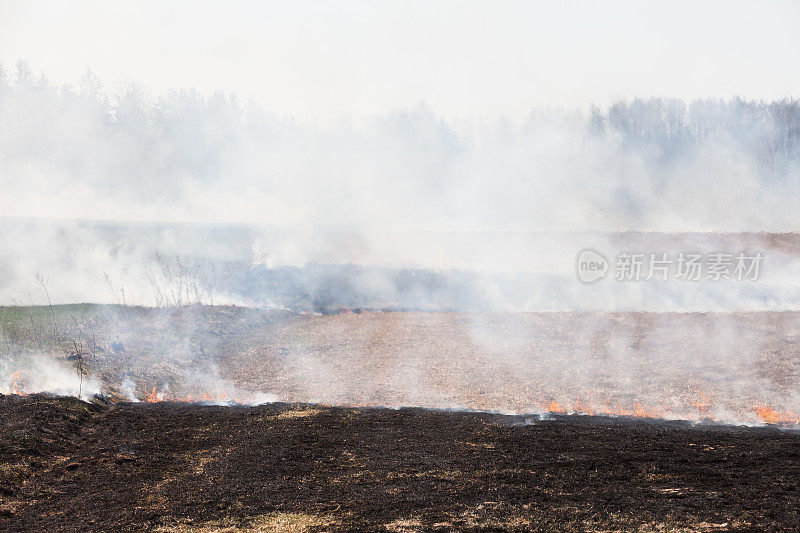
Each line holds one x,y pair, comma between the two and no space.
656,164
175,200
237,190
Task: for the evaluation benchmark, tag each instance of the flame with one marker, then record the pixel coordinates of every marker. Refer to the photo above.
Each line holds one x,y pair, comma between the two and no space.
702,403
582,409
14,386
579,407
153,397
641,412
770,416
638,411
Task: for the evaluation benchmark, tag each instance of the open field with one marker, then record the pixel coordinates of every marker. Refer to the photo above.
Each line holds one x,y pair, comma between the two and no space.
226,418
733,367
70,465
399,266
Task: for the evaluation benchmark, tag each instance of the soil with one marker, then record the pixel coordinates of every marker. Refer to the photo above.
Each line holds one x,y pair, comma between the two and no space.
68,465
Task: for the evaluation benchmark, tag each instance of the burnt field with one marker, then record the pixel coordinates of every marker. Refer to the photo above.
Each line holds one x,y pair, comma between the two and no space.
72,465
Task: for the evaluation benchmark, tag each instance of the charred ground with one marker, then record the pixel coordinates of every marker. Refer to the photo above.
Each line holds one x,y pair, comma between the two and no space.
71,465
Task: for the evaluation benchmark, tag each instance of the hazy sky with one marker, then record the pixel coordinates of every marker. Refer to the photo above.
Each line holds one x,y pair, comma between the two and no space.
326,59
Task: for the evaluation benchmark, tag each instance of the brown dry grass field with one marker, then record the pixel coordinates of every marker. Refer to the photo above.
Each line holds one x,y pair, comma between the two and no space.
730,367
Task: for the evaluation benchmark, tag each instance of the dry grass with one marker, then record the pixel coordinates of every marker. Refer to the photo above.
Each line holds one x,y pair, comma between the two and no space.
301,412
275,522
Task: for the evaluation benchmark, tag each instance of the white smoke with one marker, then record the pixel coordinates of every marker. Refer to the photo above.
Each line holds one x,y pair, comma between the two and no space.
489,212
42,373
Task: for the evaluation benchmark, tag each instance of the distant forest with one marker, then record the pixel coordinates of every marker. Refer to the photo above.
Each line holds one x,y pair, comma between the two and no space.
629,164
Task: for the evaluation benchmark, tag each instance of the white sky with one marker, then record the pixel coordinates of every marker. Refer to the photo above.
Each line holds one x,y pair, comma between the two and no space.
321,60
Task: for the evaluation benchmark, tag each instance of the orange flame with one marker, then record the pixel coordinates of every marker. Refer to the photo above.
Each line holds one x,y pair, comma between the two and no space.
582,409
702,404
770,416
637,410
152,397
14,386
641,412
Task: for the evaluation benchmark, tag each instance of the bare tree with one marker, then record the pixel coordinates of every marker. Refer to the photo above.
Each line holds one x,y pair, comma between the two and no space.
43,281
78,358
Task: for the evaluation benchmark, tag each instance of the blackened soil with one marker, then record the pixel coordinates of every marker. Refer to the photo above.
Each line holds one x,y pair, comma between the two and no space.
70,465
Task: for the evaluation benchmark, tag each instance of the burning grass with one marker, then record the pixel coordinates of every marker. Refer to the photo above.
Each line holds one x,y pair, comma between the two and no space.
727,368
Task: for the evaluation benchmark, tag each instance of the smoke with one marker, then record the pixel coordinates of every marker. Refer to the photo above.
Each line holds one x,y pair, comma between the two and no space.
128,389
179,200
656,164
35,372
232,186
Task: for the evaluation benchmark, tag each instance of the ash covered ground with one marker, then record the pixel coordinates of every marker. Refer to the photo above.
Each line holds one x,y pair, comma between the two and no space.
71,465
